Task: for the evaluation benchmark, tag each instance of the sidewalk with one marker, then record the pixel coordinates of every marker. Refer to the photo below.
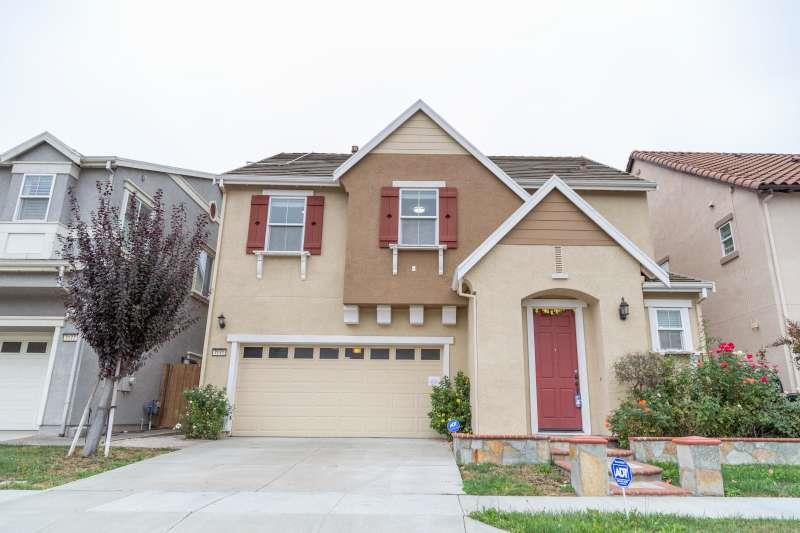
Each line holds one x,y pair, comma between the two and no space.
66,510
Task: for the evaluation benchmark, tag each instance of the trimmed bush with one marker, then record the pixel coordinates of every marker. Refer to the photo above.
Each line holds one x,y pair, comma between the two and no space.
726,394
206,409
450,400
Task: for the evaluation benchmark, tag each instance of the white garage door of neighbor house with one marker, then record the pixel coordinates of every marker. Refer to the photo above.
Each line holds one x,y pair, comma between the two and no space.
329,391
23,366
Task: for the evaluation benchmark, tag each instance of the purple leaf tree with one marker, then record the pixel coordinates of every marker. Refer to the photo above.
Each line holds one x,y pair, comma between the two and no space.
127,288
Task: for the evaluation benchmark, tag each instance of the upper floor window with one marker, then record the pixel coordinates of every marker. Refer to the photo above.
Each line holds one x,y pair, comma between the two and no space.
419,221
141,207
726,238
286,224
34,197
202,273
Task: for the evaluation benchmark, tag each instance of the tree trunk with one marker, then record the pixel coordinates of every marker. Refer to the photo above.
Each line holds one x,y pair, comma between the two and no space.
95,431
112,409
85,414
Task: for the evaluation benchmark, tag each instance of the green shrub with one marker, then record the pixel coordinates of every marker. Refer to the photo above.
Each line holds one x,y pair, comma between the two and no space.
727,394
450,399
206,409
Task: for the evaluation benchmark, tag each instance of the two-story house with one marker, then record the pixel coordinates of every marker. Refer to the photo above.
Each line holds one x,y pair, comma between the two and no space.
346,285
733,218
46,371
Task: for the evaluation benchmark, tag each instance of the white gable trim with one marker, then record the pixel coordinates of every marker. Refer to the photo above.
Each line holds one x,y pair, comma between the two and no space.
45,137
419,105
557,183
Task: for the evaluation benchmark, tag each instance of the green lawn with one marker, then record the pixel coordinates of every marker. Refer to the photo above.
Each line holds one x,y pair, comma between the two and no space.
518,480
42,467
597,522
749,480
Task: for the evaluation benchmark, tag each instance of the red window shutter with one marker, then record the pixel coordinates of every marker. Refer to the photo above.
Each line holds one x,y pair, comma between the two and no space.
312,241
257,230
390,210
448,216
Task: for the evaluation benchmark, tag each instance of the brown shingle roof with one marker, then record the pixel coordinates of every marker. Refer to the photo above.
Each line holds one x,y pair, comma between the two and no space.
753,171
519,168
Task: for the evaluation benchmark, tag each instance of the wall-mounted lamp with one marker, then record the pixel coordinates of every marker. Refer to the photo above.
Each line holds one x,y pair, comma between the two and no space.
221,321
624,310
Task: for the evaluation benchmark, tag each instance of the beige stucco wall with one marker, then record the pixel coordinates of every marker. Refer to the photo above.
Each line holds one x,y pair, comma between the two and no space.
600,275
628,211
419,135
784,213
744,309
282,304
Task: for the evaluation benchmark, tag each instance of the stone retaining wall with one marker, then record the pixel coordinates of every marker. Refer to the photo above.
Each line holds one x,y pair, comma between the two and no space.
501,449
733,451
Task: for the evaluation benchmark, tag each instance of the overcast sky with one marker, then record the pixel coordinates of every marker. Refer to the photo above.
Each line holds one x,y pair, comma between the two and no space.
210,86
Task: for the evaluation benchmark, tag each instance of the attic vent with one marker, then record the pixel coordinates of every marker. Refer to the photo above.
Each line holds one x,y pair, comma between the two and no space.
558,269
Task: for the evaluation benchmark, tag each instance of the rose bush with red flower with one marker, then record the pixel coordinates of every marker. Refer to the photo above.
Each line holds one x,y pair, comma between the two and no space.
726,394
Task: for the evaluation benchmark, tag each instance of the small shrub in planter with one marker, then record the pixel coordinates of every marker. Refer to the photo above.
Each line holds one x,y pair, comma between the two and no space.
727,394
206,409
450,400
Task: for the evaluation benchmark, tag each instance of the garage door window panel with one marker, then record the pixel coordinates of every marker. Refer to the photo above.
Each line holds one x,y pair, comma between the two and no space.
354,353
303,352
253,352
329,353
405,354
278,352
380,354
11,347
430,354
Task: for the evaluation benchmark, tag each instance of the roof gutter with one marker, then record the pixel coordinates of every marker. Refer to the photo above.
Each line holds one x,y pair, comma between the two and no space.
681,286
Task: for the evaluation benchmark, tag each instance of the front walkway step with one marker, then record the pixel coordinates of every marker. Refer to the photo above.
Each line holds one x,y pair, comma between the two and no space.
611,452
648,488
641,471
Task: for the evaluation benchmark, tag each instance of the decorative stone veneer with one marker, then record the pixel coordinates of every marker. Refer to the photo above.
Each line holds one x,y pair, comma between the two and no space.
589,465
733,451
501,449
700,466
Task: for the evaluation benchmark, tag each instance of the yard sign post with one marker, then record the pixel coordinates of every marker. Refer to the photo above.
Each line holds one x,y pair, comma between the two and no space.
623,475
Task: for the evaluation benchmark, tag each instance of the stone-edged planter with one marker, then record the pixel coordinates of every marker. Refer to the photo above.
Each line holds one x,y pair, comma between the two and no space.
733,450
501,449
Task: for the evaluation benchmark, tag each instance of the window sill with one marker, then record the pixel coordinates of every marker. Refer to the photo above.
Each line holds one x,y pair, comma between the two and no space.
440,248
199,297
260,254
728,258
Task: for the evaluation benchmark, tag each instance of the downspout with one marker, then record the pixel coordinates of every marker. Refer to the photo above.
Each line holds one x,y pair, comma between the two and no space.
775,270
212,286
76,358
472,297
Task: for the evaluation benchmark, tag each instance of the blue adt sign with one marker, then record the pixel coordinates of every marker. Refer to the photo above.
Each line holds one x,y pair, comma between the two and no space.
453,425
621,472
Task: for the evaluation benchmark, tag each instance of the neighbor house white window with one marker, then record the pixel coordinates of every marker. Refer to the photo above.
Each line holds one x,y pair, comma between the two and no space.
669,323
142,206
34,197
726,238
286,224
202,273
419,220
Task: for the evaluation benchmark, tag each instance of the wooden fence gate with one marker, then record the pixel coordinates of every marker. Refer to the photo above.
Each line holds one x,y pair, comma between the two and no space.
175,379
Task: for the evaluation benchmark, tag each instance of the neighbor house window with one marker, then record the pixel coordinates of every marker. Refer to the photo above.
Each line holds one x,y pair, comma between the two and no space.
670,326
286,224
34,197
202,273
141,207
419,217
726,238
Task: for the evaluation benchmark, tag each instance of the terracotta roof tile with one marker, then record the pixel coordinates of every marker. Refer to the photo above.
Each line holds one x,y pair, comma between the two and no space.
752,171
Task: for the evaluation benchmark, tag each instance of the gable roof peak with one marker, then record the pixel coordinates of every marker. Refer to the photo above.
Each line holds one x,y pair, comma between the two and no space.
556,183
44,137
421,106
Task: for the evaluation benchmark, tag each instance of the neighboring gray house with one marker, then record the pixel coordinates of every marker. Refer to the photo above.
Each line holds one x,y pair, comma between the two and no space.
733,218
46,371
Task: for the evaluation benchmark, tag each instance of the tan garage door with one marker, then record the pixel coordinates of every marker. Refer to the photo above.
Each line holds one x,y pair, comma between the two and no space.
335,391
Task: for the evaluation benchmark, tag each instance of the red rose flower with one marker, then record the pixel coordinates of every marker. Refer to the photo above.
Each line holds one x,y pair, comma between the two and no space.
749,356
764,379
724,364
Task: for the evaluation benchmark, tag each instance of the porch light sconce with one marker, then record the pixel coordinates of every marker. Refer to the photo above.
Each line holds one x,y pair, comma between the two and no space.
624,310
221,321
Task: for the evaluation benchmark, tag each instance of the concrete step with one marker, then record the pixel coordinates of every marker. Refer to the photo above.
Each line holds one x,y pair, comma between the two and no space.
641,471
612,452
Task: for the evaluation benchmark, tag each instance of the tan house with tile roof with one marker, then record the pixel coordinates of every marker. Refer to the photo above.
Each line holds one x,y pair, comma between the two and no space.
346,285
733,218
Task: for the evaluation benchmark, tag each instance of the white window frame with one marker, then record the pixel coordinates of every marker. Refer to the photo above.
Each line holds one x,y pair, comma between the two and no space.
732,238
20,197
302,225
409,217
209,256
671,305
141,196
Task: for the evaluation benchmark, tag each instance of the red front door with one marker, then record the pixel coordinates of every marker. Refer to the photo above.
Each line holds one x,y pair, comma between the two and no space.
556,371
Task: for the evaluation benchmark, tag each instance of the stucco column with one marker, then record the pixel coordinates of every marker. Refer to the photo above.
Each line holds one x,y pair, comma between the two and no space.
700,465
589,465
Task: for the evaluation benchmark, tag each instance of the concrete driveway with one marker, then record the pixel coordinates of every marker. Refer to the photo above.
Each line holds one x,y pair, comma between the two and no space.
365,466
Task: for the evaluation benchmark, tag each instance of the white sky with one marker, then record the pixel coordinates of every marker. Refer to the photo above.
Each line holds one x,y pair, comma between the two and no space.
212,85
